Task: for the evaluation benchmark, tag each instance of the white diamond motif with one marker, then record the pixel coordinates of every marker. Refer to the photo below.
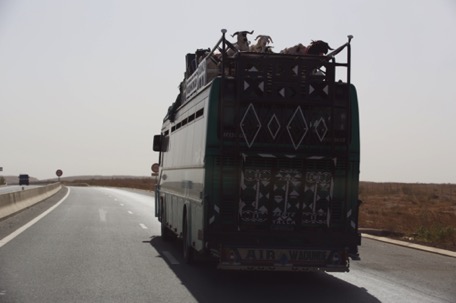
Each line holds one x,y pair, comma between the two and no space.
321,129
274,126
297,127
250,125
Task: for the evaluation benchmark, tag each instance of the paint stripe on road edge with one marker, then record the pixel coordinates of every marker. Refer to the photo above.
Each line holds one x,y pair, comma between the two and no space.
23,228
434,250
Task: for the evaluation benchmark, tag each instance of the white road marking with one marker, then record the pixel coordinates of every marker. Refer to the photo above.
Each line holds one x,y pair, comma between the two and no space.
102,213
130,212
143,226
170,257
121,204
26,226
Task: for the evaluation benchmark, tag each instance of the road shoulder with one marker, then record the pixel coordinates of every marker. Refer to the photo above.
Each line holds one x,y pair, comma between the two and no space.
434,250
12,223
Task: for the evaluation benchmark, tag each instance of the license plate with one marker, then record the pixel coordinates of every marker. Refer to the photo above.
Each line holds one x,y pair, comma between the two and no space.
281,256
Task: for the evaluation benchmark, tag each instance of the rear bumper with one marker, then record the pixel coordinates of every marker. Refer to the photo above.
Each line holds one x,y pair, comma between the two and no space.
291,268
283,259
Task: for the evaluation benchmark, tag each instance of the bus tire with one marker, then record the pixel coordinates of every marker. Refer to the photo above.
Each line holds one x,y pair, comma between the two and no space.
187,248
166,233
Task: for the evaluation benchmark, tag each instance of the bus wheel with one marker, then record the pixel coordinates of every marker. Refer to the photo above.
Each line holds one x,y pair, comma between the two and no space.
186,246
166,233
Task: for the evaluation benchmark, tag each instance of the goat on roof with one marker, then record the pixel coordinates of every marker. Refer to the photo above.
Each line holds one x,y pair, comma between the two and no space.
318,47
242,43
315,48
261,45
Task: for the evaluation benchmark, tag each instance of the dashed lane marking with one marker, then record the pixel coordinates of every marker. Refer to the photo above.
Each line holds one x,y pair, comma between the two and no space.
130,212
143,226
102,212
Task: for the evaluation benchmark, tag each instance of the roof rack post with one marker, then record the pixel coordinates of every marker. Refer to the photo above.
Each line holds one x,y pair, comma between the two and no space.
350,37
223,52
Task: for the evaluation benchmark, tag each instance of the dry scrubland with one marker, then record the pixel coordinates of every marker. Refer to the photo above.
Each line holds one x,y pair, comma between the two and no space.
421,213
137,183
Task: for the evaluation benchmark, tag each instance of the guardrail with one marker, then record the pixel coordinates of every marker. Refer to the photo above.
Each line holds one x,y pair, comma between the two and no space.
11,203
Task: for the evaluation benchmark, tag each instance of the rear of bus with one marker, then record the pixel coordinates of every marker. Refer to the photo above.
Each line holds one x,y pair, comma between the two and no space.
282,165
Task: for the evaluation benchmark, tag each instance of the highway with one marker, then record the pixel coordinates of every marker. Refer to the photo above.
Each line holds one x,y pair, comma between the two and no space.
103,245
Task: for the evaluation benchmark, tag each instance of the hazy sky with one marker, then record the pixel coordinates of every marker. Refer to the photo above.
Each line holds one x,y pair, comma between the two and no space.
85,84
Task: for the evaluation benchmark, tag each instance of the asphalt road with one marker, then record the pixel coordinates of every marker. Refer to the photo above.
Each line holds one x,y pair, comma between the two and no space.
102,245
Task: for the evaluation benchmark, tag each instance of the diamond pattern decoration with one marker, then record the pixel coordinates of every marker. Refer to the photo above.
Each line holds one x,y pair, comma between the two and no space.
250,125
246,85
286,196
261,86
297,127
321,129
255,84
254,195
287,193
287,92
295,70
274,126
318,191
321,89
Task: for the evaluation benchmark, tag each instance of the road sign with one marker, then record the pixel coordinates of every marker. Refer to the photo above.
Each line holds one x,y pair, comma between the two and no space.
155,167
59,173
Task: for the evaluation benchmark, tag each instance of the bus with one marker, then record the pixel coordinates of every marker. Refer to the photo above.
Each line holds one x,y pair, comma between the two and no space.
259,161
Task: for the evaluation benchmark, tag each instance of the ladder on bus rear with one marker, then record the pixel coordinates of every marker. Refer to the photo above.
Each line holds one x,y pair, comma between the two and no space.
229,155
